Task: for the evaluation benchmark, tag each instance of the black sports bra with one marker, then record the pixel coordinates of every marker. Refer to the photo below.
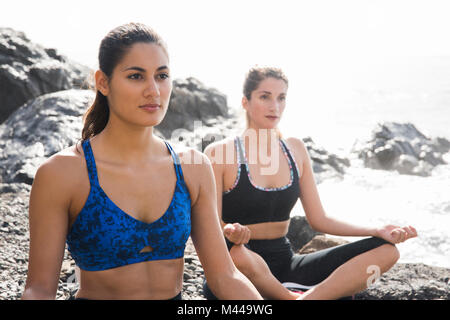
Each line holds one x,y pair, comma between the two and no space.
247,203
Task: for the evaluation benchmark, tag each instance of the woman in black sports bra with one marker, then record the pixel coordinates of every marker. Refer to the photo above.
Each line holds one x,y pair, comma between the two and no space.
256,193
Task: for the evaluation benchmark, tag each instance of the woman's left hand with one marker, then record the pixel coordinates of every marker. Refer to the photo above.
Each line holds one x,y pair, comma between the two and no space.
396,234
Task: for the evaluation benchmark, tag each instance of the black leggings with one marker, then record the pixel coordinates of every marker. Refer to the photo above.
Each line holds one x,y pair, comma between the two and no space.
304,269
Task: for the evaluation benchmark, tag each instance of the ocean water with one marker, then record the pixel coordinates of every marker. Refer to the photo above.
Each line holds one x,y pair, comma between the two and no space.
417,91
369,197
350,104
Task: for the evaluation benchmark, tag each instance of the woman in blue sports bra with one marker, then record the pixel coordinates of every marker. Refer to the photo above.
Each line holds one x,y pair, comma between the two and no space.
258,189
122,199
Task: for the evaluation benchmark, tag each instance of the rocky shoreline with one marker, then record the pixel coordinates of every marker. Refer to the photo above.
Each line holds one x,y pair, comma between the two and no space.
43,119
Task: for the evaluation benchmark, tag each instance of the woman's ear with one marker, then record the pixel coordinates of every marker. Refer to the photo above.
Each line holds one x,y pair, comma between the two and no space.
101,82
245,103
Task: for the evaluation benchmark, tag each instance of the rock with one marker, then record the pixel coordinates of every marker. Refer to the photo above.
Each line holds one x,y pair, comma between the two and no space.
28,70
14,188
38,129
300,232
440,145
323,161
14,247
411,281
320,242
192,101
403,148
201,136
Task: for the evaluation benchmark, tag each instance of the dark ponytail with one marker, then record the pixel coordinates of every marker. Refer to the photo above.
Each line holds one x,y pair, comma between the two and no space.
96,117
113,48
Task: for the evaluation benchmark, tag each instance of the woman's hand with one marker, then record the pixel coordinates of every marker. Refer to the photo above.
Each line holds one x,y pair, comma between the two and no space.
237,233
396,234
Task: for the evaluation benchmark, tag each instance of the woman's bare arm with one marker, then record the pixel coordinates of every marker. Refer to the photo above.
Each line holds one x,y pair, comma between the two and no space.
48,221
312,205
216,152
224,279
320,221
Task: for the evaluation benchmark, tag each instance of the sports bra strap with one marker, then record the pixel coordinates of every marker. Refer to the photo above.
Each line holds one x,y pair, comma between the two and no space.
240,151
90,163
176,161
291,159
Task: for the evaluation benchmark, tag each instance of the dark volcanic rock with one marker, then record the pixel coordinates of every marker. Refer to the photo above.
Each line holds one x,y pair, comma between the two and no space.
192,101
39,129
403,148
300,232
323,161
28,70
320,242
410,281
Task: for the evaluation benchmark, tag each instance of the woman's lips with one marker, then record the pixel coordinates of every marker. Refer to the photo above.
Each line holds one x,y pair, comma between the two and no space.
272,117
150,107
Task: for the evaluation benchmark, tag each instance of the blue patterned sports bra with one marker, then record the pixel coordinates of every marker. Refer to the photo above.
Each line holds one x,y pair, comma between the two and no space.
104,237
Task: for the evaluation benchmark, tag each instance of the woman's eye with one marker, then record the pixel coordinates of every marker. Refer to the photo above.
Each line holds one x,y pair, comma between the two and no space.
135,76
282,98
264,97
163,76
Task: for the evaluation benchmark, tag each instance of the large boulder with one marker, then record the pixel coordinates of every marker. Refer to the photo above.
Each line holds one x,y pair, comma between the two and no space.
38,129
192,101
325,164
28,70
207,131
300,232
320,242
403,148
410,281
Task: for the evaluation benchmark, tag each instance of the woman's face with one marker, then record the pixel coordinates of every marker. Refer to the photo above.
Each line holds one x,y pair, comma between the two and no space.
139,89
266,104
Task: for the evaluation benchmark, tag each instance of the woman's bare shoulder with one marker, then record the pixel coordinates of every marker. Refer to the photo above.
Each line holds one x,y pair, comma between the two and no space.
65,164
297,146
192,159
299,151
221,151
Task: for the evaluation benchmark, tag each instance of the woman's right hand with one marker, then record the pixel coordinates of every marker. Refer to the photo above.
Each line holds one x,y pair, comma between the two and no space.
237,233
395,234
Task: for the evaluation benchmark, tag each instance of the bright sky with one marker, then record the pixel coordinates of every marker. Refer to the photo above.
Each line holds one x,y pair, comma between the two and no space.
229,35
322,45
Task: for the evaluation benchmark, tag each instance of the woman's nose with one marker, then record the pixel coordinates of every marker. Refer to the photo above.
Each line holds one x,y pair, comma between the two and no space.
152,89
274,105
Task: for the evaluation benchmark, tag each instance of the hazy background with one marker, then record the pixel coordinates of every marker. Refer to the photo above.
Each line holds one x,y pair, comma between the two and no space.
350,64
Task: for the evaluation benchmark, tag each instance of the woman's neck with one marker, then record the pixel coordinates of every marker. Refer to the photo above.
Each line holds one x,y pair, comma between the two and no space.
127,144
262,137
262,145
